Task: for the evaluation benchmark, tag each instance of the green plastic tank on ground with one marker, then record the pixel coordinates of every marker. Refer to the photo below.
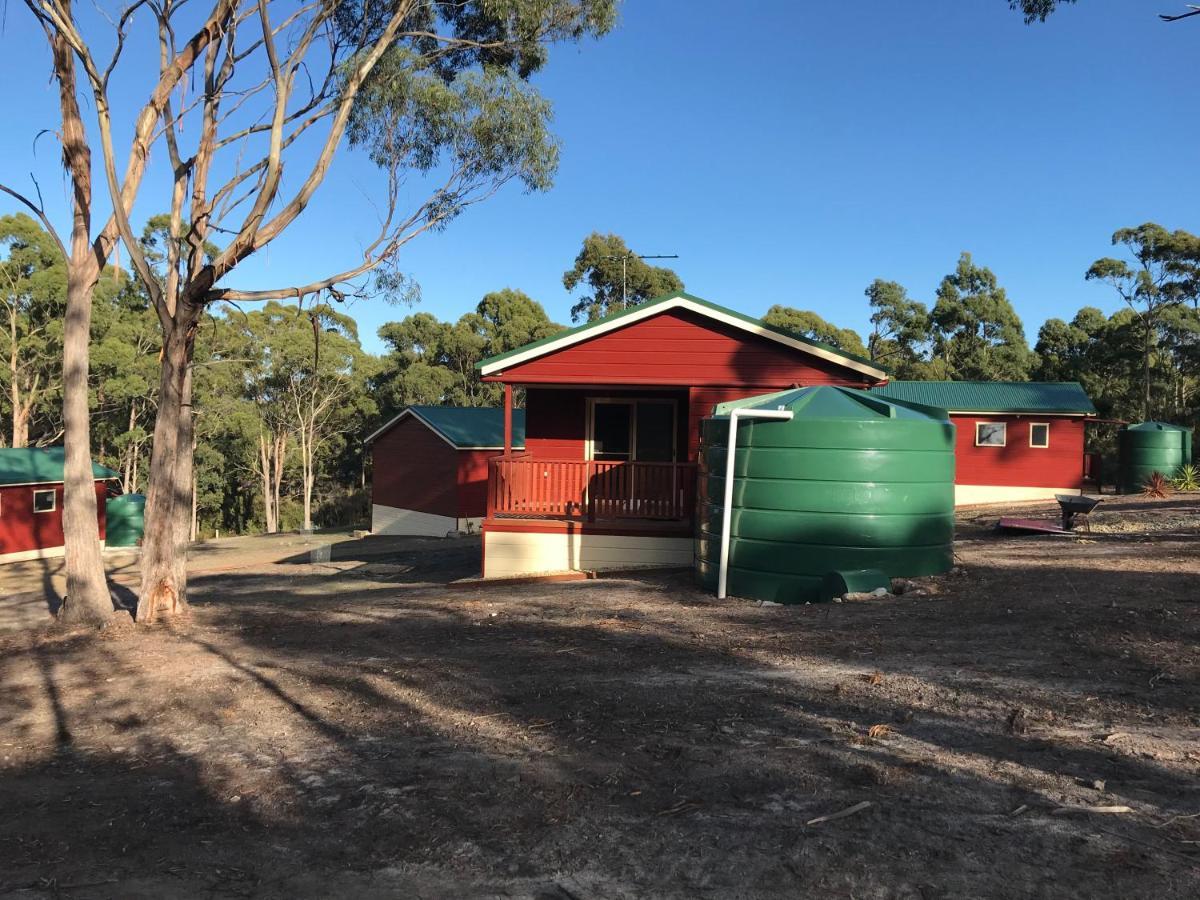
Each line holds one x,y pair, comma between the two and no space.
126,520
853,481
1148,448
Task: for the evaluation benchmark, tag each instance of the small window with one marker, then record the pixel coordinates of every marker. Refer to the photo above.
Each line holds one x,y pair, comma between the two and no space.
1039,434
43,501
991,434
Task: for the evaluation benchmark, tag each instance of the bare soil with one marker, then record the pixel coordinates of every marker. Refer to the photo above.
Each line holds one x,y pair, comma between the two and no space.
360,727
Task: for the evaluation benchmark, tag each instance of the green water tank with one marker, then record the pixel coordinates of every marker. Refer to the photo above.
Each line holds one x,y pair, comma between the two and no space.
125,520
1148,448
852,482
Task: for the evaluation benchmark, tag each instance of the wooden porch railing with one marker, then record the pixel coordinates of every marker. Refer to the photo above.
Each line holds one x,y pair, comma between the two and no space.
588,490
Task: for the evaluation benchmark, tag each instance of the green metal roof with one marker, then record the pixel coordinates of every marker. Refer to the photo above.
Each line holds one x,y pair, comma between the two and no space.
466,427
994,396
666,298
832,402
40,465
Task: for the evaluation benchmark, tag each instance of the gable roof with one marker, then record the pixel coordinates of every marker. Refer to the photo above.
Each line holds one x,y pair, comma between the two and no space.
625,317
1061,397
41,465
464,427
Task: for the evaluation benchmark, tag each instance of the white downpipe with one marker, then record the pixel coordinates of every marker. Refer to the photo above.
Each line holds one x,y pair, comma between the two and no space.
726,519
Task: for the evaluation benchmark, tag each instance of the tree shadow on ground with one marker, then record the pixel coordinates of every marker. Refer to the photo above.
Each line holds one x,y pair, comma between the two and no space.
637,737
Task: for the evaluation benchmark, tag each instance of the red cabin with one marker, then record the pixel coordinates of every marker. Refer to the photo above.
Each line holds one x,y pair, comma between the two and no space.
430,468
608,474
1016,440
31,502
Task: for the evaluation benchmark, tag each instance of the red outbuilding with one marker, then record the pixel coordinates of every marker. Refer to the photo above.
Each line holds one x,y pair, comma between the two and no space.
31,502
613,412
1015,441
430,468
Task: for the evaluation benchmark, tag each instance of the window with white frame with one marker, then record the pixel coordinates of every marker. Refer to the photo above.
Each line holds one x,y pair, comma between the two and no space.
1039,434
991,434
43,501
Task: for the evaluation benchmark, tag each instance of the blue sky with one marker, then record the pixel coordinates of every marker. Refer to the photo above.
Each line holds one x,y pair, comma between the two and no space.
788,155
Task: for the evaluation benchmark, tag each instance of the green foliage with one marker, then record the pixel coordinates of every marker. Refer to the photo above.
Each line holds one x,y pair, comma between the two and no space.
433,362
1036,10
1187,478
810,325
1161,276
901,330
615,278
461,110
978,335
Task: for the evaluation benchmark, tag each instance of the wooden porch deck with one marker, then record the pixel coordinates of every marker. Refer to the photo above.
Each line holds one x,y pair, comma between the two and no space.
601,495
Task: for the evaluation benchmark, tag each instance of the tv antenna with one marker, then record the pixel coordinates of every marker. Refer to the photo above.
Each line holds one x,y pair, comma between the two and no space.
625,262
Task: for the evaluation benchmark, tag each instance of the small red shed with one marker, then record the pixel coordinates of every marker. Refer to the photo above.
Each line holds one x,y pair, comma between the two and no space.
613,412
1017,440
430,468
31,501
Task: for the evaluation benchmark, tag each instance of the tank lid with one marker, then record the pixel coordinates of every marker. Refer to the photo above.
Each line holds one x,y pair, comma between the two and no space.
1157,426
831,402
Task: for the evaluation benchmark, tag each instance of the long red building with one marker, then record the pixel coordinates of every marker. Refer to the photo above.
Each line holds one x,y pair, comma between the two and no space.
1015,440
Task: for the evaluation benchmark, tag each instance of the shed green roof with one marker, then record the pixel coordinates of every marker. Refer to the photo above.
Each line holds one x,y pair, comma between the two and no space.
41,465
1064,397
465,427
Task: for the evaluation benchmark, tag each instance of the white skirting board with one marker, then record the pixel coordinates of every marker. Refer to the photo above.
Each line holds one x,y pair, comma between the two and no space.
507,553
970,494
38,553
392,520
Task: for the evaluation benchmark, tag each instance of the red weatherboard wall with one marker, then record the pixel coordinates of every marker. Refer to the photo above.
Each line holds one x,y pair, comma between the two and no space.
413,468
679,347
709,361
22,529
1018,464
556,419
472,482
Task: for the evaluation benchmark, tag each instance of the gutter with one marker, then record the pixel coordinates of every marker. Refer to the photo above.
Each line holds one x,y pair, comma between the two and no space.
727,505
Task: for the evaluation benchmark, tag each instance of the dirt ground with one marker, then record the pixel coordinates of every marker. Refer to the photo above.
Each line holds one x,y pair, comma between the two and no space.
361,728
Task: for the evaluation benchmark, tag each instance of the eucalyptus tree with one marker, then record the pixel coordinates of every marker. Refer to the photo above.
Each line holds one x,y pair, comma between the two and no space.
900,330
1162,272
615,278
977,335
436,89
807,323
32,298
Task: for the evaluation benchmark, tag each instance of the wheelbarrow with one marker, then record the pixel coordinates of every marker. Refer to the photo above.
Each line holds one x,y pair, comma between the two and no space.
1075,509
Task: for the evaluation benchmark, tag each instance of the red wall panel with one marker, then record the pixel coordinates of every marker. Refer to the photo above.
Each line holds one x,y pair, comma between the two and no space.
555,425
413,468
472,482
680,347
22,529
1017,464
556,419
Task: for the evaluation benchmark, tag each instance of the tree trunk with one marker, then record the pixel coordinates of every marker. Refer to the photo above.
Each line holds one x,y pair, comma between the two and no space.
195,507
1146,374
164,547
264,459
20,422
280,445
88,599
306,463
